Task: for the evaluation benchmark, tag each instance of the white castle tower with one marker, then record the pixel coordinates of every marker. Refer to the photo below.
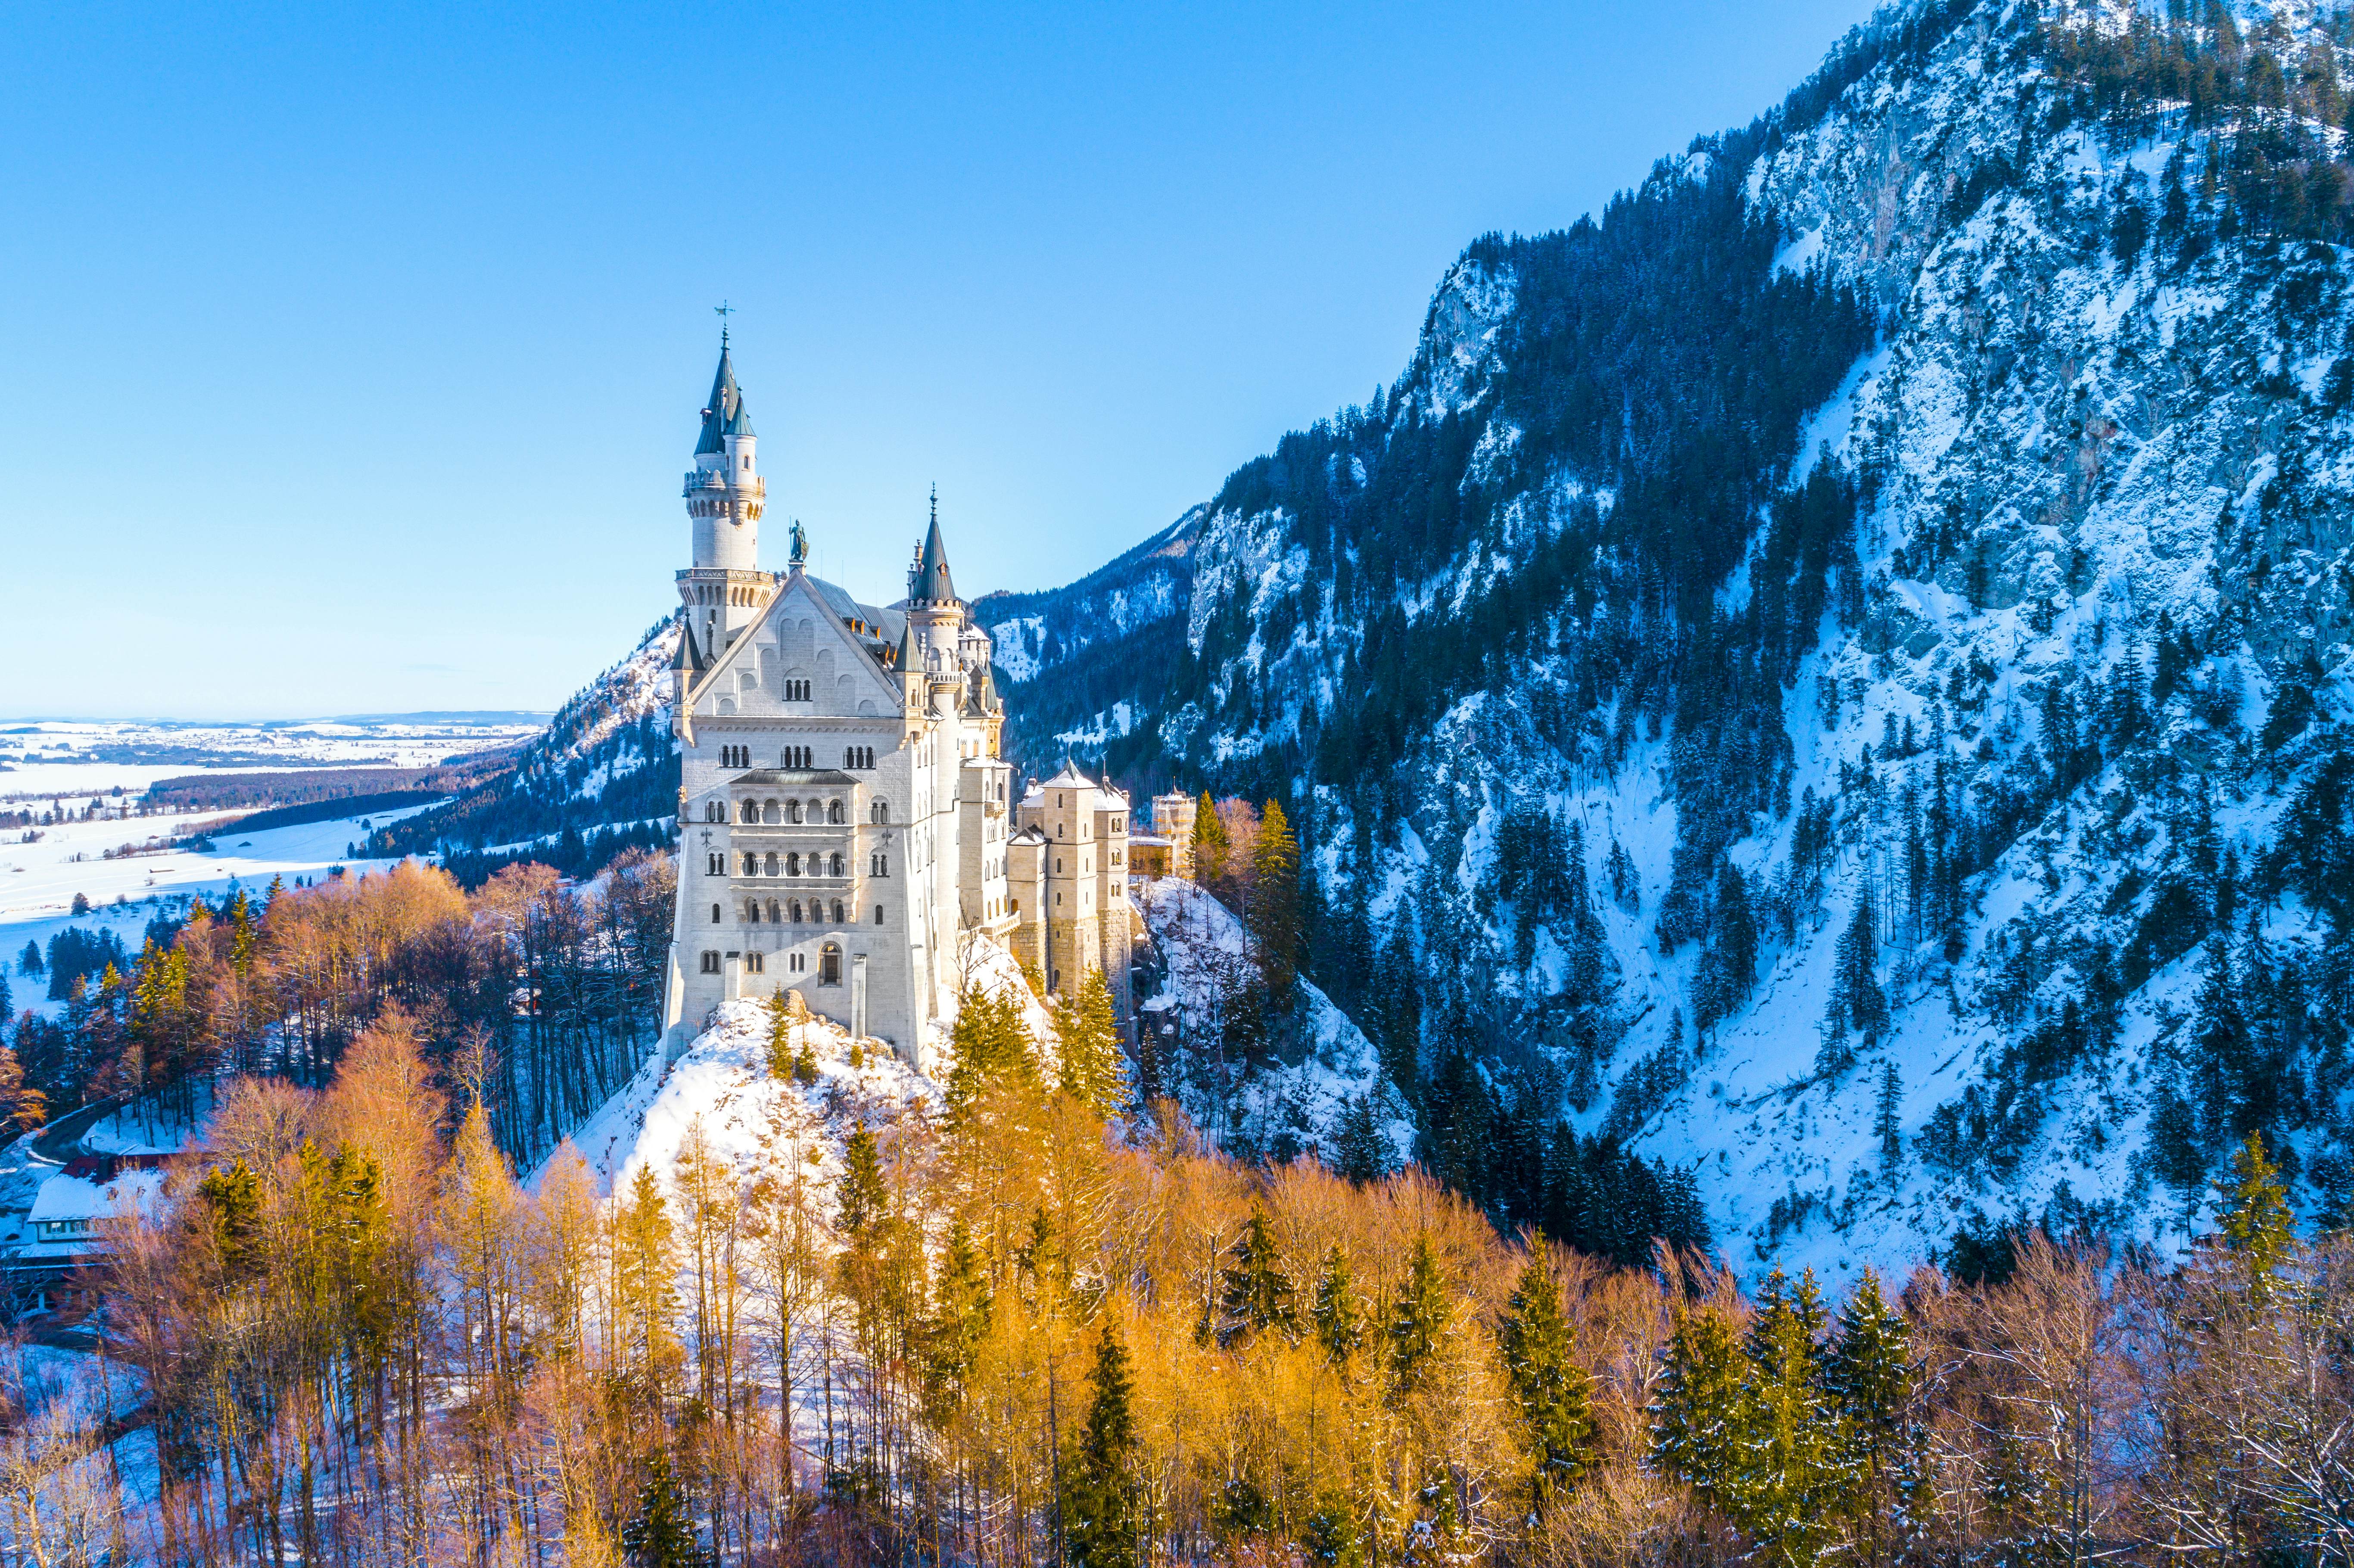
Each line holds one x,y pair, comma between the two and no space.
847,829
724,587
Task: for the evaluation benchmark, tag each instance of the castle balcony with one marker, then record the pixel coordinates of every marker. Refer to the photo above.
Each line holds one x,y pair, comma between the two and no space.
705,482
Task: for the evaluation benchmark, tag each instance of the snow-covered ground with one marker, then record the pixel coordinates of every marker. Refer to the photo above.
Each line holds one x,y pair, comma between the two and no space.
76,759
39,880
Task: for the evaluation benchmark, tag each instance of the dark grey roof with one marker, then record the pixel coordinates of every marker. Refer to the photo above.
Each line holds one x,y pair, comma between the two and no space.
724,415
886,625
929,583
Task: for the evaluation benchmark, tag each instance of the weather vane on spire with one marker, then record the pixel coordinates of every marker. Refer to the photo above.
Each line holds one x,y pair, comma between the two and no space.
936,504
723,310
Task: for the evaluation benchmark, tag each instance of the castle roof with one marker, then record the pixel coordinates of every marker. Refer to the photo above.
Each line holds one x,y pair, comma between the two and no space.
929,583
724,416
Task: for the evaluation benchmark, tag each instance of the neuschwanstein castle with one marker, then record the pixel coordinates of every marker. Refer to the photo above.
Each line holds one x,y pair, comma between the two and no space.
847,828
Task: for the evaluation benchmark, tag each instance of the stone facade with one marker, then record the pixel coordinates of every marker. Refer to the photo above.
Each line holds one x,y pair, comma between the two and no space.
846,822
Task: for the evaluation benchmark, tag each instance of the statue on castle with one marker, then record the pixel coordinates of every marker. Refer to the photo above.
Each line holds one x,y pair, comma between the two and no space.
801,543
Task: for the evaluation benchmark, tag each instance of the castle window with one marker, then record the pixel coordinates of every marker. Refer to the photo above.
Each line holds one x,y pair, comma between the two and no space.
750,814
793,811
796,691
751,865
837,911
829,965
792,865
753,964
878,914
775,914
710,961
713,812
714,914
717,863
769,812
878,865
834,811
797,911
772,863
882,811
752,912
795,963
838,867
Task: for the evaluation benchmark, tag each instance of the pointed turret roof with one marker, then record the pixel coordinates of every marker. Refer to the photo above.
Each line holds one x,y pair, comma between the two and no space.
724,416
687,660
929,582
907,660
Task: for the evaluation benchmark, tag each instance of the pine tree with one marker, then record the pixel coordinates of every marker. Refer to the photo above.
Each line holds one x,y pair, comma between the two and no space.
1887,1123
2257,1225
29,961
861,1202
1703,1415
1093,1071
1799,1483
781,1058
663,1533
1418,1319
1211,844
1548,1386
992,1047
961,1304
1340,1318
1398,1012
1274,911
1857,1000
1103,1498
1870,1376
1256,1294
7,1002
1363,1151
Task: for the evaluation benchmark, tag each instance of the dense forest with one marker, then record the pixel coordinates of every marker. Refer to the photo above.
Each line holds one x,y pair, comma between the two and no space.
540,995
1006,1333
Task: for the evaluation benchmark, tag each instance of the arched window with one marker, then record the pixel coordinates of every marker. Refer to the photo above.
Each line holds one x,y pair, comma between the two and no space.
837,911
879,864
713,812
751,865
715,864
769,812
817,811
771,867
878,914
753,964
793,810
882,811
797,911
775,913
829,965
710,962
714,914
752,912
792,865
834,811
837,867
750,814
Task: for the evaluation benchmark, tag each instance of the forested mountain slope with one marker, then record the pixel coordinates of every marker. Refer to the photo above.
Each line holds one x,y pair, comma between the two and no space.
601,778
1833,670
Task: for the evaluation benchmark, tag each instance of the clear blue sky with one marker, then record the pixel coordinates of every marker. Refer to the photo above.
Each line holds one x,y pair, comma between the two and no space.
353,353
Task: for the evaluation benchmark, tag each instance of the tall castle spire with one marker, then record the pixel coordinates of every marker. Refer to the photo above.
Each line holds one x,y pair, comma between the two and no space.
724,587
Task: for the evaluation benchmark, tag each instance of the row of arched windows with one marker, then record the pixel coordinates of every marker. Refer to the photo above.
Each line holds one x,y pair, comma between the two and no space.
773,812
787,911
791,864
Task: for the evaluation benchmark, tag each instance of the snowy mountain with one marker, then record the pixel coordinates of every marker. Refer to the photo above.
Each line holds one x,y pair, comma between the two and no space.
1832,671
602,778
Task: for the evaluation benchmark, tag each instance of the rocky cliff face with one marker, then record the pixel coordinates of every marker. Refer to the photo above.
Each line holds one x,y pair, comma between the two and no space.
1832,672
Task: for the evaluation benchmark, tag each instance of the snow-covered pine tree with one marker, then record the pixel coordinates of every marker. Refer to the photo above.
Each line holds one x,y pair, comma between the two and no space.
1549,1388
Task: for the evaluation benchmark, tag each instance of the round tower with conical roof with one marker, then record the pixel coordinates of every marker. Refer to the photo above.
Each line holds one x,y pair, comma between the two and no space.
724,587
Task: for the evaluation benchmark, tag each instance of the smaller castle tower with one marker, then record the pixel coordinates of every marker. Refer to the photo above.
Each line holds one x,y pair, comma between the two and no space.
724,587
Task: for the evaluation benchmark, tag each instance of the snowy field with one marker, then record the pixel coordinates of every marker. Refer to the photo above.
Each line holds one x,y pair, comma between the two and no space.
69,764
78,758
